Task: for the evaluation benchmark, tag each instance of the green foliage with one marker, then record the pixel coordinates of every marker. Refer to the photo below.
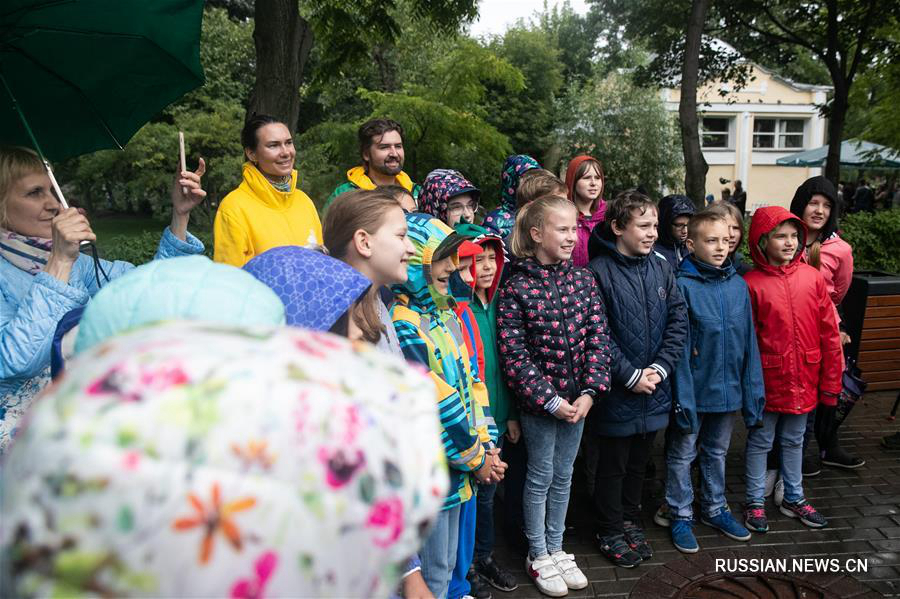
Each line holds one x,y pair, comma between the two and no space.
140,248
139,178
441,108
629,130
527,115
875,238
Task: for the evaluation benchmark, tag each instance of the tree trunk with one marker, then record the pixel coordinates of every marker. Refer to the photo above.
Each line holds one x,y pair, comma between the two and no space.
836,118
283,40
695,166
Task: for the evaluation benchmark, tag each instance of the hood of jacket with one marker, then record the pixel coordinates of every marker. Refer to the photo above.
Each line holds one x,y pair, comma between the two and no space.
182,288
357,176
426,234
513,169
764,221
697,269
485,238
439,187
316,289
598,210
257,184
804,193
670,208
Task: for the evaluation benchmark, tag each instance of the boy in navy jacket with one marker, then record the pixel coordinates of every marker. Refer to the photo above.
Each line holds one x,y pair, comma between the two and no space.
648,325
718,374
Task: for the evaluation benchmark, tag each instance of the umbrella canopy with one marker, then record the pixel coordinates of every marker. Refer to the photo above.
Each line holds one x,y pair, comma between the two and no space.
195,460
85,75
854,153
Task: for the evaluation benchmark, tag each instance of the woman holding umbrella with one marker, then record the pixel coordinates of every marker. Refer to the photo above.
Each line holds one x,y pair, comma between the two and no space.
43,275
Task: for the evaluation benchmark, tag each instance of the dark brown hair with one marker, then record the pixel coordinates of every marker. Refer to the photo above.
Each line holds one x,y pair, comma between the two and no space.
621,209
369,130
249,138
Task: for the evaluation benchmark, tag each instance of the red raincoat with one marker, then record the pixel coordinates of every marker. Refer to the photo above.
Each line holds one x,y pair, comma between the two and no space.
795,322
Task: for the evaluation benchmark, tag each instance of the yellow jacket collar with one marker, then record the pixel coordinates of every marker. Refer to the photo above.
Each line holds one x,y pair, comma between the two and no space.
262,189
357,175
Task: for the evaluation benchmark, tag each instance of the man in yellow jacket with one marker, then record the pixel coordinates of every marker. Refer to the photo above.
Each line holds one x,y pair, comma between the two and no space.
267,209
381,149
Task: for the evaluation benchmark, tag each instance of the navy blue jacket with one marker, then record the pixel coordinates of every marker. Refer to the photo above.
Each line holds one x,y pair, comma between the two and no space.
670,208
721,370
648,325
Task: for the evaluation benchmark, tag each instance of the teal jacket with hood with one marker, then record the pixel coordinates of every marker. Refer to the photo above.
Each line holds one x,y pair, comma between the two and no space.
430,334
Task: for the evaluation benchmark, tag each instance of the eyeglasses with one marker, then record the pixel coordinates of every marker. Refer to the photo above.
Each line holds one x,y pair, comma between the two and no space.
456,209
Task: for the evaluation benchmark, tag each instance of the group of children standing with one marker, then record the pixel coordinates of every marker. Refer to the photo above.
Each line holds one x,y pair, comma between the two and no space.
564,330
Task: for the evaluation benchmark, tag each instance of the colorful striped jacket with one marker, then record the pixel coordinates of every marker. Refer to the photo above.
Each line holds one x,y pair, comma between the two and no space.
431,334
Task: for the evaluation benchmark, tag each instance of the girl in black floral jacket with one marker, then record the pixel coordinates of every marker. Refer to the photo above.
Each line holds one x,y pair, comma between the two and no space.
553,342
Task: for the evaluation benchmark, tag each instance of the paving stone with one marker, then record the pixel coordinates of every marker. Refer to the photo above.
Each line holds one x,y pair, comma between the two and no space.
862,507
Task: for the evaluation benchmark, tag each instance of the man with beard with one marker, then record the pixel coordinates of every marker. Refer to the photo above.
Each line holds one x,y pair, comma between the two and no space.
381,149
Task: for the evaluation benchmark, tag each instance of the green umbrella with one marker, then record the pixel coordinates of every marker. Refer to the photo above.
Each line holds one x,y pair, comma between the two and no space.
83,75
854,153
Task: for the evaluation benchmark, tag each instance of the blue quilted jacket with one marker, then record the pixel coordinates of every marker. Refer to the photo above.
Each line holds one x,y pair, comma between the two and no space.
648,327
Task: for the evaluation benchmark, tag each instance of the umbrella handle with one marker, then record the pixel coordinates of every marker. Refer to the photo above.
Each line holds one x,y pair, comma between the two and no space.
59,195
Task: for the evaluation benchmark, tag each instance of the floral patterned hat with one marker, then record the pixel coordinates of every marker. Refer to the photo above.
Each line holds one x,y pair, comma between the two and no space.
190,459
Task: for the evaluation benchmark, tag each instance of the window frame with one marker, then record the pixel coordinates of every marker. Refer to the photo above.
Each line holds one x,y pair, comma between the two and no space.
779,134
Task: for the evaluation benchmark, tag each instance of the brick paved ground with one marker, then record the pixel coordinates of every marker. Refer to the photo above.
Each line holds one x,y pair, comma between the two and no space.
862,506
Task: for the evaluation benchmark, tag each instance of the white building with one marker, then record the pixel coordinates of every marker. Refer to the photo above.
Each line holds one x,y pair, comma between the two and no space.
743,133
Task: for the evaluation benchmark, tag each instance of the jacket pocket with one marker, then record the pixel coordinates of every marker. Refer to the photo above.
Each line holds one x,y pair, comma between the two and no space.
772,360
813,356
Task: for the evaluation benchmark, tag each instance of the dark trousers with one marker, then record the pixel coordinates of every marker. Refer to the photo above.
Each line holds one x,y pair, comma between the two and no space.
516,457
484,519
620,480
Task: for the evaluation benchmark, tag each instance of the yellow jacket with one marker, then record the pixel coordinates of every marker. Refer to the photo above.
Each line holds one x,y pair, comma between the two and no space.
256,217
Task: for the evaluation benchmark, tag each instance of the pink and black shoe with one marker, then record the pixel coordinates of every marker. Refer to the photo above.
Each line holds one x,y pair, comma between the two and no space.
807,514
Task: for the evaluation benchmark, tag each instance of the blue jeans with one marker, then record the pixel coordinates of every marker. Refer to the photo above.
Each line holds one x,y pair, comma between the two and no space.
714,437
484,521
438,554
759,442
459,584
552,447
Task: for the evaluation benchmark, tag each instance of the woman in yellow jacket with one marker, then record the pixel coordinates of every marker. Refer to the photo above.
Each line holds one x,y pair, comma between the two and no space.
267,209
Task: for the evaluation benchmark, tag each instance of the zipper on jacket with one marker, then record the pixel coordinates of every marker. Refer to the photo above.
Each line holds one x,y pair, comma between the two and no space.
646,267
724,335
571,372
795,390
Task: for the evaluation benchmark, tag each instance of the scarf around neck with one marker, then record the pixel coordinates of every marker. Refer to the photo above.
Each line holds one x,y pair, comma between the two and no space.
26,253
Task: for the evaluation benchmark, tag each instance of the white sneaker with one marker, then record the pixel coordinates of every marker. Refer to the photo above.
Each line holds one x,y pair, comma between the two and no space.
779,492
771,477
571,573
546,575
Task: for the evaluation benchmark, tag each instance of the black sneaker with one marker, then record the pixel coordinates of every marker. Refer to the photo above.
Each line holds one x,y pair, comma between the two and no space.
616,550
839,458
891,441
634,536
811,466
491,572
479,586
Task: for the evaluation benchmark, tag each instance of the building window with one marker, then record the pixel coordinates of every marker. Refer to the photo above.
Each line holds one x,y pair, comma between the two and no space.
780,134
715,132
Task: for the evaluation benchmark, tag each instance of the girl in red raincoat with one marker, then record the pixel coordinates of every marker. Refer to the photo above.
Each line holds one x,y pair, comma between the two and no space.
801,357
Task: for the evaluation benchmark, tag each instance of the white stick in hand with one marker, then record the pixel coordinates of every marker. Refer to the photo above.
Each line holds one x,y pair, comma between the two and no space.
183,162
